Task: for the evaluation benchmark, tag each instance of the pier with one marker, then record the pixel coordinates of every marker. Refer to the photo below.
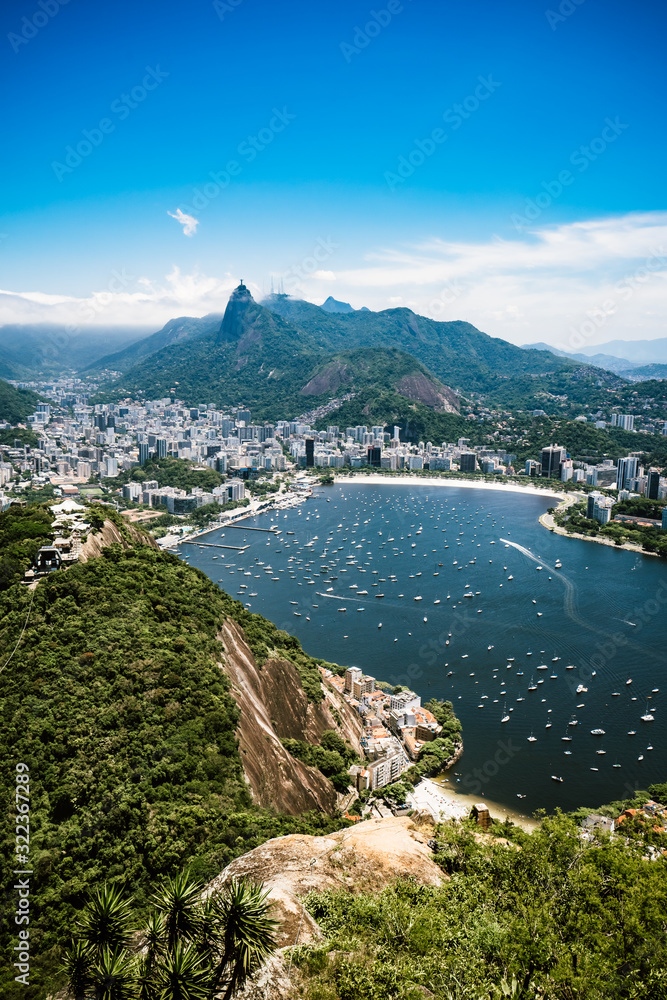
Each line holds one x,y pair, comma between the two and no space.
215,545
246,527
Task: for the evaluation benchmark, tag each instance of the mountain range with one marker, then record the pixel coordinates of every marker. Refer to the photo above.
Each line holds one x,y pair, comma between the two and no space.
47,349
652,355
284,356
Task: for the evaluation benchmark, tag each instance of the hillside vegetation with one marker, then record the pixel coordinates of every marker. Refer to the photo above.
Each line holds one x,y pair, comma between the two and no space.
16,404
116,703
547,916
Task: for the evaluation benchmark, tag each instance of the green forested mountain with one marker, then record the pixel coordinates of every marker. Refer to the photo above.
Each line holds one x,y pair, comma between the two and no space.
261,360
116,703
286,355
16,404
174,332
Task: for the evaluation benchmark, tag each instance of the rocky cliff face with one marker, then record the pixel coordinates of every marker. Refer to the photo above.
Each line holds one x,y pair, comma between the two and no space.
274,706
240,313
110,534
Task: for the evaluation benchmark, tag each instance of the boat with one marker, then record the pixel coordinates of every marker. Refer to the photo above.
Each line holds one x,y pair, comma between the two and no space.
505,718
416,598
566,739
510,577
632,732
469,594
616,694
532,739
342,609
647,716
532,686
379,624
597,732
555,777
629,681
437,602
558,564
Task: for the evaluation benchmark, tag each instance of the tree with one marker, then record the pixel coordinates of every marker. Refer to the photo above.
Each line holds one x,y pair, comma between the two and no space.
249,936
178,903
106,921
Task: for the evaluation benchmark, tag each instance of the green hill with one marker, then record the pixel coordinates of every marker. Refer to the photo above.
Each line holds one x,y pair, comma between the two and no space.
117,703
16,404
261,360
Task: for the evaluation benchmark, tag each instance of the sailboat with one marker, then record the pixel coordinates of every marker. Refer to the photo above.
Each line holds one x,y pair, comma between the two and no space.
647,716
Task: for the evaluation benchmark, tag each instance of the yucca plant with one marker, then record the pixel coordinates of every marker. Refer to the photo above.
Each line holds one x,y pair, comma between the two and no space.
178,901
249,933
182,975
155,938
114,976
77,967
106,920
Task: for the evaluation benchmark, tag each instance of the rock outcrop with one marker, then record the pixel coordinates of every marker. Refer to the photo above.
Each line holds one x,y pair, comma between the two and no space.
273,706
363,858
110,534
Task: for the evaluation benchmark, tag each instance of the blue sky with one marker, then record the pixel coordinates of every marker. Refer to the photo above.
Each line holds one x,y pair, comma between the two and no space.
316,106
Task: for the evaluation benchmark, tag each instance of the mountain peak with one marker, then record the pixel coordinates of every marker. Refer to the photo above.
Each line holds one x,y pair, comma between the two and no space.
332,305
235,319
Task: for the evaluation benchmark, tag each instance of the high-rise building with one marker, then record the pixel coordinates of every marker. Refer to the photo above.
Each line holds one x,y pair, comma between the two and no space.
653,484
144,454
551,458
375,457
468,461
243,415
161,446
310,453
625,471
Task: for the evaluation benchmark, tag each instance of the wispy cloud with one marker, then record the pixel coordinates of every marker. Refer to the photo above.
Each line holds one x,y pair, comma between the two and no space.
188,222
538,287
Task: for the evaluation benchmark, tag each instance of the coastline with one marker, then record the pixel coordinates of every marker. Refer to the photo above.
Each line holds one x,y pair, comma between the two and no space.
547,521
440,798
378,480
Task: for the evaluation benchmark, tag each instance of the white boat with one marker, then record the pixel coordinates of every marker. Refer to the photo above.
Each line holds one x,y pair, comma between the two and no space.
556,778
597,732
416,598
532,739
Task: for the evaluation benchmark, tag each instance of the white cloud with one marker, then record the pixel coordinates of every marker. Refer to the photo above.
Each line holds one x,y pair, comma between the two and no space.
140,301
188,222
573,285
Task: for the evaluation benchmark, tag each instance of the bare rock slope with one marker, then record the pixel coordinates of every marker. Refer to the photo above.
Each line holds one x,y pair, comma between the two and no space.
273,706
366,857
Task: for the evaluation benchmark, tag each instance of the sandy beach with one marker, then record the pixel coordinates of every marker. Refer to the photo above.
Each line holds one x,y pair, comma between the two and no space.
400,480
439,798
